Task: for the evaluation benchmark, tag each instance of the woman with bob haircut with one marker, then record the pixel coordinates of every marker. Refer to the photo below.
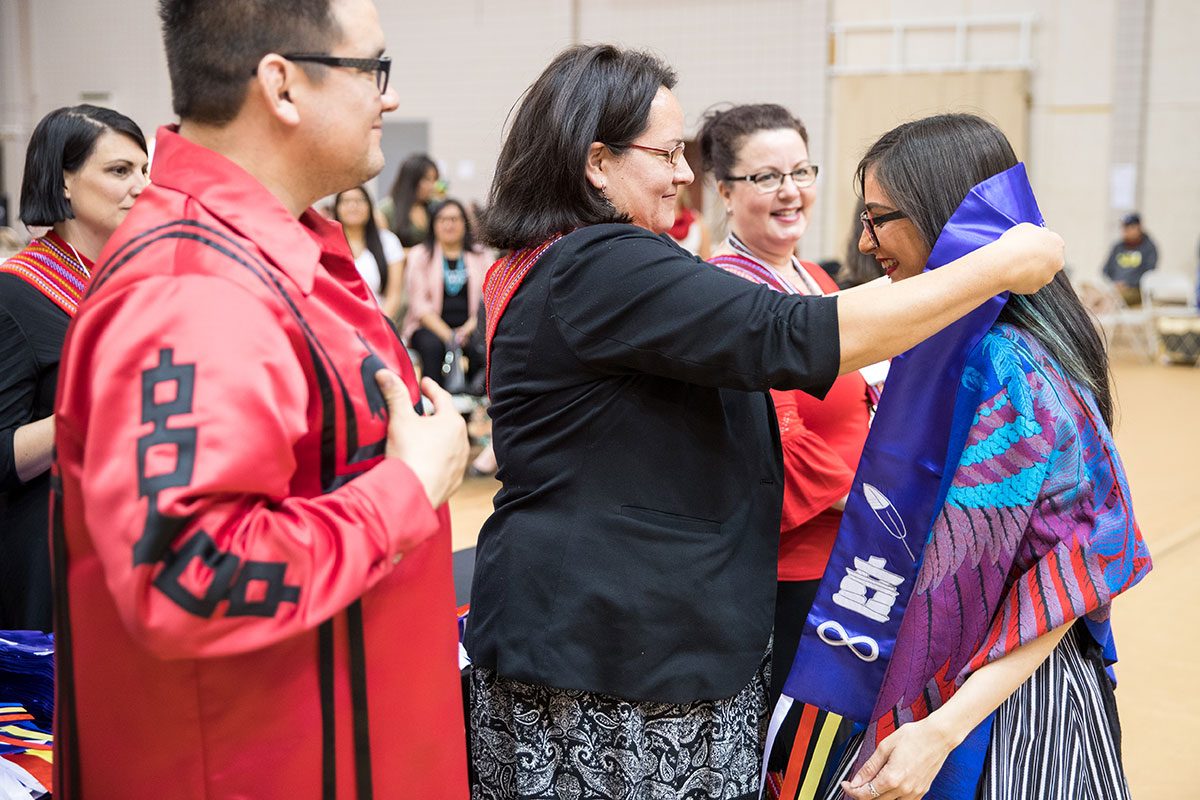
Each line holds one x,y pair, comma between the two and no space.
623,591
84,168
999,665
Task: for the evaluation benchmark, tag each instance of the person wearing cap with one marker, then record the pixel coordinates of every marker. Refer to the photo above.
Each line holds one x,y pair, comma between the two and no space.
1130,259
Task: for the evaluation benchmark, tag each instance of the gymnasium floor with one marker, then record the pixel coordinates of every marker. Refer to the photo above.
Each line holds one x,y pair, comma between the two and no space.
1158,431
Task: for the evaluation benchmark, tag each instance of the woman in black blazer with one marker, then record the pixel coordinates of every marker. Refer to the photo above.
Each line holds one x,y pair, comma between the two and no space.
623,593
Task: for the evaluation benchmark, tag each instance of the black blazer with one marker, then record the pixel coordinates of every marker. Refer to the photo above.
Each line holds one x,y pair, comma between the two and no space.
633,547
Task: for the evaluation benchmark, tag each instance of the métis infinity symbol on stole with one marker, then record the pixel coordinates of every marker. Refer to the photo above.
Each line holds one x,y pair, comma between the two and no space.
842,638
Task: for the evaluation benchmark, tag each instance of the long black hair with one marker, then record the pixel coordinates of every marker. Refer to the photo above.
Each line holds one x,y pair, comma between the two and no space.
62,141
588,94
927,167
370,233
404,188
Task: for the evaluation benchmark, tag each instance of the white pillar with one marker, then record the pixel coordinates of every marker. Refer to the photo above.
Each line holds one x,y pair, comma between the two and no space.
1129,108
16,99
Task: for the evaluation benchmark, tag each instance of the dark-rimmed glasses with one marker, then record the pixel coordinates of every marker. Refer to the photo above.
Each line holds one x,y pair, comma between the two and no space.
382,67
870,222
767,182
672,155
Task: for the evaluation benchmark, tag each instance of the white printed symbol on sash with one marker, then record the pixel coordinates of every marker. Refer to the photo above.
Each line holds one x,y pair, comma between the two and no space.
887,514
869,589
871,651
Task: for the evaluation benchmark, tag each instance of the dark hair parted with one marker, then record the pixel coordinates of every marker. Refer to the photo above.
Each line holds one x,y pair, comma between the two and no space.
370,232
724,131
468,242
927,167
62,142
404,188
598,93
214,46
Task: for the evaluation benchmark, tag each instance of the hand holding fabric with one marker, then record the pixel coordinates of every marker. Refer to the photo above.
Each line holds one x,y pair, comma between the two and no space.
434,447
904,765
1033,256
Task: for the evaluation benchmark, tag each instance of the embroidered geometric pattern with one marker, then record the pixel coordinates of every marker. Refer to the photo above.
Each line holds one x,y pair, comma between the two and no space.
502,281
48,266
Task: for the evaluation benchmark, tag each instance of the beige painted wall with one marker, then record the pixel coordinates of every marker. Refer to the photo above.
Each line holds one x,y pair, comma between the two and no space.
460,65
1071,123
1171,203
866,106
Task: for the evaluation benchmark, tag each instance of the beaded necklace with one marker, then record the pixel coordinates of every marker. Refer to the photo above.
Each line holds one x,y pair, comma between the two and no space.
455,275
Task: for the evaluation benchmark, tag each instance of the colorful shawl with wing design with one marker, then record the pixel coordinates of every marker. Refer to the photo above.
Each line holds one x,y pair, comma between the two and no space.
1037,530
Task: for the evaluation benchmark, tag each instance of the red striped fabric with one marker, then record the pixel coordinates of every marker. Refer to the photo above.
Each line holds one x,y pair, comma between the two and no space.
54,268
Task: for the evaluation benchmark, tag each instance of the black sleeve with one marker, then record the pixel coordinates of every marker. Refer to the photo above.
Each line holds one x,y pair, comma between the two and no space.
18,382
626,300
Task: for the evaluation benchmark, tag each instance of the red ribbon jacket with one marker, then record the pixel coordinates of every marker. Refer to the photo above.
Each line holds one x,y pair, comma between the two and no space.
256,604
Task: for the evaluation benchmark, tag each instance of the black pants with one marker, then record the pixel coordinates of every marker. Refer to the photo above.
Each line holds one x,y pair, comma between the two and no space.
793,599
432,351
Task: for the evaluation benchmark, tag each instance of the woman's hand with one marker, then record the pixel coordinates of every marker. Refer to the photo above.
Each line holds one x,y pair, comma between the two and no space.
904,765
436,325
1032,256
463,333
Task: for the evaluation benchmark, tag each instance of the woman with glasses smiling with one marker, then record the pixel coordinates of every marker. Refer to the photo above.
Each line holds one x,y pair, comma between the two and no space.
759,156
996,688
622,600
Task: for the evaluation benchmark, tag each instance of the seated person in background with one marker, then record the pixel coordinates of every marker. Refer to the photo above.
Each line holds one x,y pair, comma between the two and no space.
378,254
1130,259
444,278
413,192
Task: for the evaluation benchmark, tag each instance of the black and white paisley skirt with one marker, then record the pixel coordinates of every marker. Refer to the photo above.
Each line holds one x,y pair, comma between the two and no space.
530,741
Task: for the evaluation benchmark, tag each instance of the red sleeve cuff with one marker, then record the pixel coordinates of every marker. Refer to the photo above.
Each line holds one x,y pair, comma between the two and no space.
405,514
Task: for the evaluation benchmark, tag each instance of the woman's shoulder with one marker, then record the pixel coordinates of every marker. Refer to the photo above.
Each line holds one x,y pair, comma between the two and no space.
1006,344
21,299
619,244
391,243
1031,376
420,255
615,234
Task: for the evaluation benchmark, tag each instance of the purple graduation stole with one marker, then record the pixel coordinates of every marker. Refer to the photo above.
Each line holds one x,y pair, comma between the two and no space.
901,481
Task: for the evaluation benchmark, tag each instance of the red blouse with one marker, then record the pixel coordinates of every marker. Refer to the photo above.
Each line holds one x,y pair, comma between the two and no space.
822,442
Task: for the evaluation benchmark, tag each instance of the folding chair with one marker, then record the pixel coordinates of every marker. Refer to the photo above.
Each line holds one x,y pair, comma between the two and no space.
1120,324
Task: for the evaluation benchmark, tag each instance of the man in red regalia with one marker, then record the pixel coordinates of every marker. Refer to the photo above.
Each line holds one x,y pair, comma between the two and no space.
252,552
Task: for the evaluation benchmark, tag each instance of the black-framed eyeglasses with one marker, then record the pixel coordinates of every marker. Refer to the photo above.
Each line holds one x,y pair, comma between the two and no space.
381,67
870,222
770,181
672,156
